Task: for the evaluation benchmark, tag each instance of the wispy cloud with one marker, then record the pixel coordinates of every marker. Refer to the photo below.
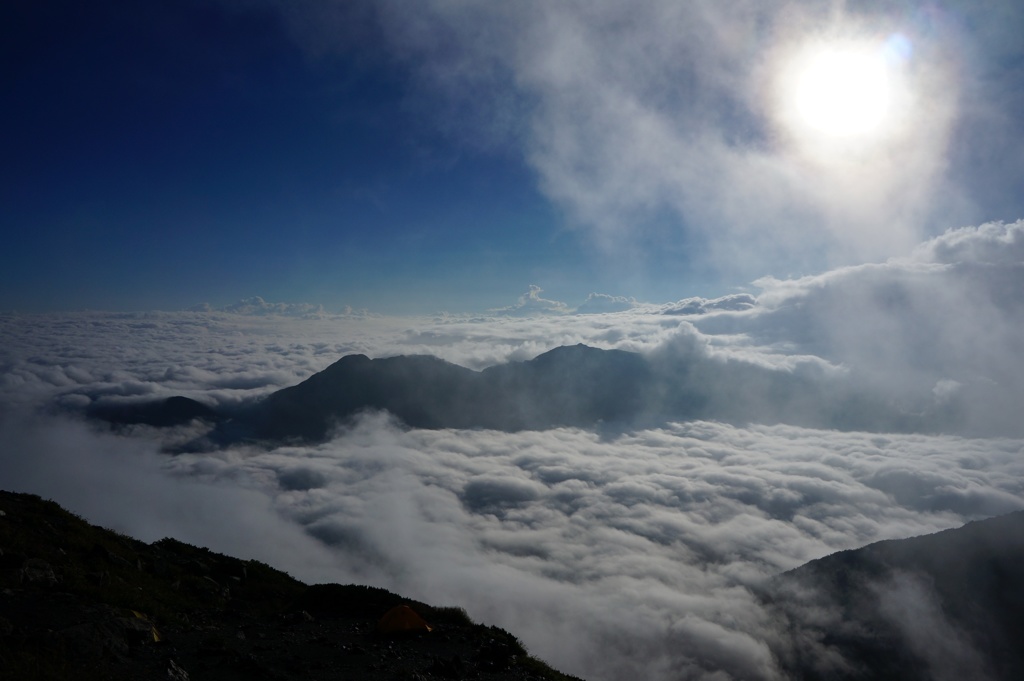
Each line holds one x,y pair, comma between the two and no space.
654,113
258,306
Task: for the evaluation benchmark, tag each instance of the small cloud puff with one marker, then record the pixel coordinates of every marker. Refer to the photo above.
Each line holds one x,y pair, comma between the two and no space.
736,302
599,303
531,303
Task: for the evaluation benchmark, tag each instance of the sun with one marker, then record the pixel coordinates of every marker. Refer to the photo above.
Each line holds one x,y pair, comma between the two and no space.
843,92
838,92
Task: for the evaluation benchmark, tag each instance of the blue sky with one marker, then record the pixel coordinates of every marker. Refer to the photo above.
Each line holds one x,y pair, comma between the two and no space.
445,157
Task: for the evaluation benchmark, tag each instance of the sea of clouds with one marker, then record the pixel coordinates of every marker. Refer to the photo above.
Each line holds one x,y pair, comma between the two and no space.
612,554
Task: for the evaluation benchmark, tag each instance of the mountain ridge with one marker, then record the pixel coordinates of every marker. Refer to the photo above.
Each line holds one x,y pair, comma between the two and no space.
924,607
569,386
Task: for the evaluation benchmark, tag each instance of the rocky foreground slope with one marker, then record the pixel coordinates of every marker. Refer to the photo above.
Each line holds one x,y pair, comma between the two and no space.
81,602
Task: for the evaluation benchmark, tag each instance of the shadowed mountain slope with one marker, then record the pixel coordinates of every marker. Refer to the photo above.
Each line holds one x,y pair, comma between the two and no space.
568,386
172,411
945,605
84,603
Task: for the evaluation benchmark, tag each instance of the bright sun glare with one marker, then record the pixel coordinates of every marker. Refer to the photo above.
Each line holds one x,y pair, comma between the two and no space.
843,91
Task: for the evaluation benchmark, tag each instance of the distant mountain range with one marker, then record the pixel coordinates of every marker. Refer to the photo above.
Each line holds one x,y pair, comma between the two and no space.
576,386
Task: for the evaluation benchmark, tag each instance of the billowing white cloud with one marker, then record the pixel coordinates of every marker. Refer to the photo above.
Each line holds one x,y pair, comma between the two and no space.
938,329
993,243
652,113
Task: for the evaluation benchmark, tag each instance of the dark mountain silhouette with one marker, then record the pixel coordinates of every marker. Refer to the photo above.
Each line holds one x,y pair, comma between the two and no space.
945,605
568,386
84,603
576,386
172,411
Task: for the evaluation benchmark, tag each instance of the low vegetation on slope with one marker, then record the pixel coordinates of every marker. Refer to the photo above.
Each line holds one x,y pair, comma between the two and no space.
81,602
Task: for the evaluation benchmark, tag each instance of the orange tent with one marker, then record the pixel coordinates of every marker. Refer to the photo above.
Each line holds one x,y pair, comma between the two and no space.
400,620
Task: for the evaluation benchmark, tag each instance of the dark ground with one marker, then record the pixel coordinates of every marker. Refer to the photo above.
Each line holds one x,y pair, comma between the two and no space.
81,602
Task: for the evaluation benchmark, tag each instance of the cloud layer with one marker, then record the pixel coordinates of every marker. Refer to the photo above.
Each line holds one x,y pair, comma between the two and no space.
614,555
611,557
931,339
661,124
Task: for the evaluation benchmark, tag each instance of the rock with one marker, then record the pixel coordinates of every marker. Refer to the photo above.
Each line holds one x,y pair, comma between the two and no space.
93,640
176,673
448,669
38,572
